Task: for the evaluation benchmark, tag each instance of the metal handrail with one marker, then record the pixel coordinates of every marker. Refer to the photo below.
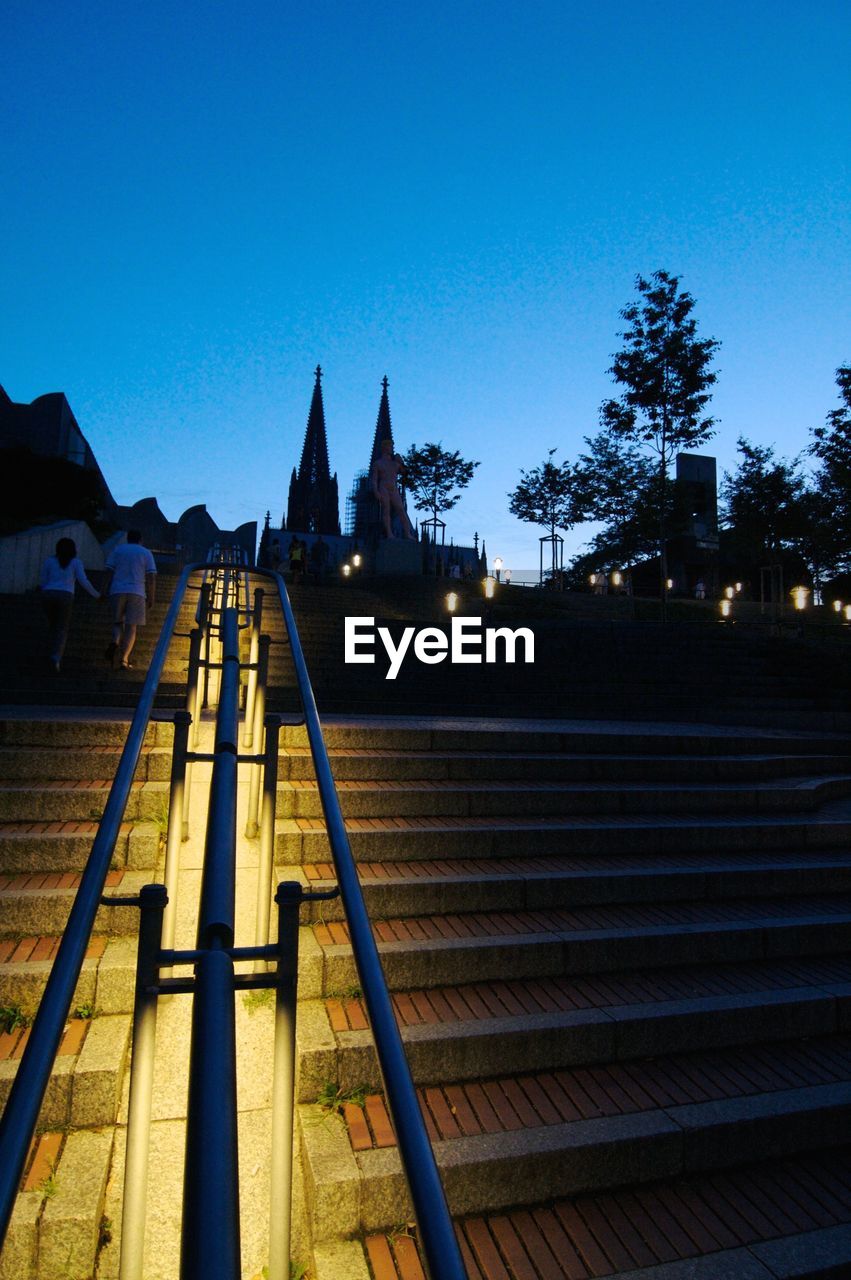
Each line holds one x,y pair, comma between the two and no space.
33,1075
442,1253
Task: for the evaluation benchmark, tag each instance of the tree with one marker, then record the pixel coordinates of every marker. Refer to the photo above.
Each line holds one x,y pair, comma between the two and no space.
548,496
616,485
665,371
762,503
832,446
431,475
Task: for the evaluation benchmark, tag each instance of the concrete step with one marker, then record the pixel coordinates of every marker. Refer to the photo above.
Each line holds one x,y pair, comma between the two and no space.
105,983
769,1221
459,885
498,767
76,801
700,1113
35,905
34,848
303,840
85,1082
56,1227
390,798
86,763
426,951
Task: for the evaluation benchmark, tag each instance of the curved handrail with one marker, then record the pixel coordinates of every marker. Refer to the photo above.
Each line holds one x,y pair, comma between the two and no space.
442,1253
25,1097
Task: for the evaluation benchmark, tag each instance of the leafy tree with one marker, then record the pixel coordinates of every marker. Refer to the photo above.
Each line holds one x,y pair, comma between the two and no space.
548,496
616,484
432,473
665,372
832,446
761,503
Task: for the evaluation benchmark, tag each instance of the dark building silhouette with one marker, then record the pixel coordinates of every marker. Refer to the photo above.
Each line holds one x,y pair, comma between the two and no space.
363,513
313,505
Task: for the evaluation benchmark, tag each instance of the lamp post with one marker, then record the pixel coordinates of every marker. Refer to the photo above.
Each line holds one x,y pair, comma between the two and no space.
451,602
497,564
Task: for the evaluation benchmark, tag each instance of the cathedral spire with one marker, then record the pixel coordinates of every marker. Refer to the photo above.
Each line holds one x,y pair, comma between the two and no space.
313,467
313,504
383,426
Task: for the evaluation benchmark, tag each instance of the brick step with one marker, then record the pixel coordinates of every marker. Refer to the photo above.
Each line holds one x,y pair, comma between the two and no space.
459,885
389,798
489,1171
479,1029
467,735
85,1081
84,763
56,1225
105,983
789,1218
64,845
534,1099
429,951
360,764
76,801
304,840
76,731
42,908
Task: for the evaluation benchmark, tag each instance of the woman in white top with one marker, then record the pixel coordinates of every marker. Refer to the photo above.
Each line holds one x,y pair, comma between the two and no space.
59,575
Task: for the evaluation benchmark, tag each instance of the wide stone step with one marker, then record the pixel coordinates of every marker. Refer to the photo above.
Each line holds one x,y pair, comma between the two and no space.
57,1223
431,951
85,1082
476,735
770,1221
303,840
459,885
71,730
635,1124
32,905
82,763
51,847
78,801
360,764
106,978
390,798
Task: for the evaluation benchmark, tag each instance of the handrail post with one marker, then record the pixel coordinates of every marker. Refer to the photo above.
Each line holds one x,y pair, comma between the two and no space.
256,619
152,903
178,804
205,608
251,825
267,836
288,898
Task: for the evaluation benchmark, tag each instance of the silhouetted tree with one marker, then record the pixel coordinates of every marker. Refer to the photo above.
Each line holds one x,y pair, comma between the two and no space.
616,484
432,473
832,446
549,496
665,372
761,503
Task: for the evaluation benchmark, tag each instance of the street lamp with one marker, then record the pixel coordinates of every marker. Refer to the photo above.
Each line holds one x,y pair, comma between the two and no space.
497,564
357,560
489,586
729,592
726,608
451,602
347,569
800,595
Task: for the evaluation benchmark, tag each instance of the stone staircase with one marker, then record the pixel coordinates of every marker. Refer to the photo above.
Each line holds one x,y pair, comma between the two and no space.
55,775
619,957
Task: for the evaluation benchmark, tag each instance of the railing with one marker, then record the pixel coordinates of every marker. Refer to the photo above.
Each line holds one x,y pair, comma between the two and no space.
31,1080
211,1230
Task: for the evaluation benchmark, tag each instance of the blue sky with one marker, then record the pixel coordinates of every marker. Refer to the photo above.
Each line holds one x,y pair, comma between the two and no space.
202,201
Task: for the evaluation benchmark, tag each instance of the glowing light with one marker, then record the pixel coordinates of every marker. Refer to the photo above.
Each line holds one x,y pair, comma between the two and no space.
726,608
837,606
490,586
617,578
738,588
347,568
452,601
670,584
729,592
800,595
357,560
847,612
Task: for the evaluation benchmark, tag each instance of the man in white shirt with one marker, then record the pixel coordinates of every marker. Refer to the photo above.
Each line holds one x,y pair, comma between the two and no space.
131,583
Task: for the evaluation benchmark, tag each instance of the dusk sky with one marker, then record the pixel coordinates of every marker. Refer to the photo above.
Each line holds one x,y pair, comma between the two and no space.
203,200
